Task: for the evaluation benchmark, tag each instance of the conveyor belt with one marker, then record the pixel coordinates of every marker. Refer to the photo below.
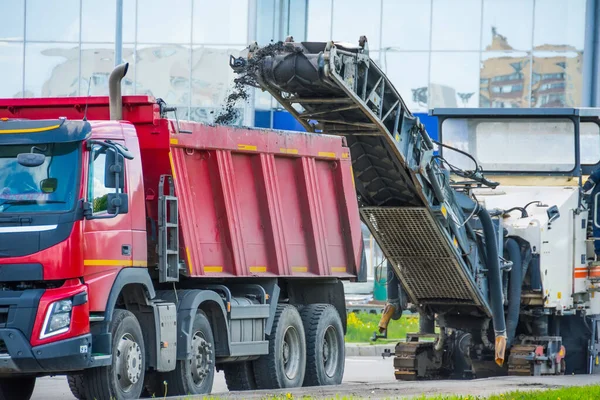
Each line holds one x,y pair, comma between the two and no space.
404,195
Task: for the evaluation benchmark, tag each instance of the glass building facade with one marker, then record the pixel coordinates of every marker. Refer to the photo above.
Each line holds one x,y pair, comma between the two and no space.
438,53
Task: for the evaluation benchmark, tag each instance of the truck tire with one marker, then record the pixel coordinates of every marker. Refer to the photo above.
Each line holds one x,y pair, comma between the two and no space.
284,366
239,376
195,376
325,347
124,378
76,385
18,388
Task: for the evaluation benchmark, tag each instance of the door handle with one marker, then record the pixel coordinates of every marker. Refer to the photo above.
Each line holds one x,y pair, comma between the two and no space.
126,250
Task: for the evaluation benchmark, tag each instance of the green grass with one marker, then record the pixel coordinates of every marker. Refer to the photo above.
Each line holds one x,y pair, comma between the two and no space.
362,325
571,393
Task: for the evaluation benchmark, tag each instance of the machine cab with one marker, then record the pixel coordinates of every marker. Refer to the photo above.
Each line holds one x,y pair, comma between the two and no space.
522,142
540,158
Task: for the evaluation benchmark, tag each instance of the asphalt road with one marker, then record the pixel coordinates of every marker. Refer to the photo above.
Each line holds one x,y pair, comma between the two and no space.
366,377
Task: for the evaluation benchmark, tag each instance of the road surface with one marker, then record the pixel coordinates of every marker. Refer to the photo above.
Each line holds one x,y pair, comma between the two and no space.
365,377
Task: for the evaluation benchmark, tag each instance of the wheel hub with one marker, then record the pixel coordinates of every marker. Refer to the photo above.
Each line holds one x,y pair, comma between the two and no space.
325,350
290,352
330,351
201,359
129,362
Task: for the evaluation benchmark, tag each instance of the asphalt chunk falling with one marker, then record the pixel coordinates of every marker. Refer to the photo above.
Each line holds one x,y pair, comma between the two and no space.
246,78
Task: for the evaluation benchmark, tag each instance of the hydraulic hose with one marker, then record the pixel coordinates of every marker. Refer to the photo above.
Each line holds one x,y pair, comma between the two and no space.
514,295
494,283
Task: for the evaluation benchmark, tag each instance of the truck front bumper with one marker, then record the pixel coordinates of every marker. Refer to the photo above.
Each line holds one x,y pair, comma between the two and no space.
18,357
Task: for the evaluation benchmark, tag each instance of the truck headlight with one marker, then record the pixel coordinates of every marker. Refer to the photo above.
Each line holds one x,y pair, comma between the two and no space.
58,318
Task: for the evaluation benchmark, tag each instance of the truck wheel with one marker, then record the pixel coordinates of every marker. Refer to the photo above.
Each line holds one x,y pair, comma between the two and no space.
239,376
75,382
325,347
20,388
195,376
124,378
284,366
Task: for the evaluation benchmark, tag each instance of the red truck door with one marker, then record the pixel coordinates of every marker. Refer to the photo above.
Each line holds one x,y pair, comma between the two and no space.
107,243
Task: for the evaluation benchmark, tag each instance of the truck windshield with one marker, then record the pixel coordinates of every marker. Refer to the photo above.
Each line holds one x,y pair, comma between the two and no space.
49,187
525,145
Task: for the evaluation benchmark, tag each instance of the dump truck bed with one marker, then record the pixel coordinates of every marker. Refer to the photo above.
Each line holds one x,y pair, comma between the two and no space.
251,202
261,202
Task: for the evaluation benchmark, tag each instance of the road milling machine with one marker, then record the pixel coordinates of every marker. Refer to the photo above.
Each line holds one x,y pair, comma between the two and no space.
499,266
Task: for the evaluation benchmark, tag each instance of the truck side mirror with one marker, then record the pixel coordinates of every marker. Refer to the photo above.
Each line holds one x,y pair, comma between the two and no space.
117,203
115,164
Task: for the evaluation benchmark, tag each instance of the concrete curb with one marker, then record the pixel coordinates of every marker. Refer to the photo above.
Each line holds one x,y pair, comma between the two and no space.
368,350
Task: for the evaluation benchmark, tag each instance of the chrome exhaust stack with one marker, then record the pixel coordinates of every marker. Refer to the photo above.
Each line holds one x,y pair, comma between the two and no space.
114,91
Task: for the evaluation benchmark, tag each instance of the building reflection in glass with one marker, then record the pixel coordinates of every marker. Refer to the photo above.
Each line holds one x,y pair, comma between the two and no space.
550,77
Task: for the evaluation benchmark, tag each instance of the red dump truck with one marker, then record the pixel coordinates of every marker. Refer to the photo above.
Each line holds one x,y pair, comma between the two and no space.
140,253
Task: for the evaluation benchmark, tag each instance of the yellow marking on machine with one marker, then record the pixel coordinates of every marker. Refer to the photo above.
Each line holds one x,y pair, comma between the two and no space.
258,268
174,141
115,263
172,165
444,211
29,130
288,151
299,269
326,154
345,155
213,268
338,269
247,147
189,259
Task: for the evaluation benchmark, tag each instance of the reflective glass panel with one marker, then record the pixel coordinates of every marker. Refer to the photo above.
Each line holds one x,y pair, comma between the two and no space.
319,20
409,73
456,25
297,19
12,28
506,145
11,65
129,20
589,133
162,21
98,20
507,25
557,79
454,80
211,82
51,69
48,22
97,62
220,22
355,18
406,24
504,79
164,71
265,24
559,25
208,114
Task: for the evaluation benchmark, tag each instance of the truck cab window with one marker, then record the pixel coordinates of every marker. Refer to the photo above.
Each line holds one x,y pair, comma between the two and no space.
97,191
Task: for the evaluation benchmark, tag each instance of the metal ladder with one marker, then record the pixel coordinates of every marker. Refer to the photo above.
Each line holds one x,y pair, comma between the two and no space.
168,232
